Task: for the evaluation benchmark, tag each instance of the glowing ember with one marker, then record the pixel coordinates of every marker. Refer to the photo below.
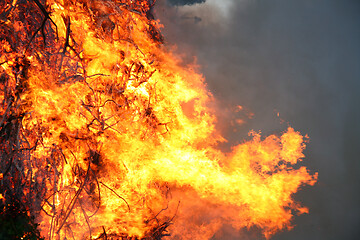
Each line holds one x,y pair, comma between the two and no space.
107,135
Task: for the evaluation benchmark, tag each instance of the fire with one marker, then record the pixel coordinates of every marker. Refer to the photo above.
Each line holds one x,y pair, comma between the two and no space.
108,135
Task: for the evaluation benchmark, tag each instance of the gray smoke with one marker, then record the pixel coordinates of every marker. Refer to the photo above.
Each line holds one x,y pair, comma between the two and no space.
298,58
184,2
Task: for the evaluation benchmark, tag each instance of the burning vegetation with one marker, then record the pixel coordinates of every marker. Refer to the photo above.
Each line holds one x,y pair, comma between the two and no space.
104,135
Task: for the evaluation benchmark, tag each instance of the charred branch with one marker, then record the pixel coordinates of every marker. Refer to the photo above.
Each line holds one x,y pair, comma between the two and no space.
42,27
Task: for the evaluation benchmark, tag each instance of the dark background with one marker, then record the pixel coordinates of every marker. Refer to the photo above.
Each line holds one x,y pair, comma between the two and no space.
300,59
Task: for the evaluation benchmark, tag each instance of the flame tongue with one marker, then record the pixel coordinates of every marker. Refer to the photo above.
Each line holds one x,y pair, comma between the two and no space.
115,133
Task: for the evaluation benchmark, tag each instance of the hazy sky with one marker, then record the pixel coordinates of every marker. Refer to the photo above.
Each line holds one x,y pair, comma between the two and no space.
300,59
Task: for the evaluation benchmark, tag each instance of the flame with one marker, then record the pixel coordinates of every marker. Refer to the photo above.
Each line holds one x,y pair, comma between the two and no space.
121,138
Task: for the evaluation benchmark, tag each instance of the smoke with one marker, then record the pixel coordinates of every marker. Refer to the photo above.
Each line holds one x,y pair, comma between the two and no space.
300,59
184,2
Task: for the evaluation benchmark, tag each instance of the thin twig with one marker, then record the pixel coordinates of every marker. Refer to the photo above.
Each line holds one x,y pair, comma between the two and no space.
73,200
86,218
116,194
67,22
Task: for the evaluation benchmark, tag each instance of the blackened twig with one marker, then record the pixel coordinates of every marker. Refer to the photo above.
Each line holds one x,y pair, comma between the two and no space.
46,17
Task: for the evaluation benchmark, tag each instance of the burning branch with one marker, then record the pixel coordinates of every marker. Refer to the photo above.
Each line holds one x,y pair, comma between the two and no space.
42,27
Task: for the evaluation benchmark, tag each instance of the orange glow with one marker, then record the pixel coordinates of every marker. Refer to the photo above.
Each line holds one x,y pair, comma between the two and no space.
126,141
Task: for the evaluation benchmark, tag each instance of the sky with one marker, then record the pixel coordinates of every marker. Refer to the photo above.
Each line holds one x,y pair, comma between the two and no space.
289,62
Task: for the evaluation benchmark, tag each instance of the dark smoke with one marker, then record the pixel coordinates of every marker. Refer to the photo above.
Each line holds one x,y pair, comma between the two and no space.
184,2
298,58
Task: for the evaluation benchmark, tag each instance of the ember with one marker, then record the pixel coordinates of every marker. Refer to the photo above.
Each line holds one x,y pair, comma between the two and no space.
104,135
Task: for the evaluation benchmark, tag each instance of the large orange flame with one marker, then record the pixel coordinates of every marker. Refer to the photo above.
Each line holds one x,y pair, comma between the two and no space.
122,137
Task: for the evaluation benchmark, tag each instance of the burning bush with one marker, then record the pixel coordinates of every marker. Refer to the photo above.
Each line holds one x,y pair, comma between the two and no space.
96,141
